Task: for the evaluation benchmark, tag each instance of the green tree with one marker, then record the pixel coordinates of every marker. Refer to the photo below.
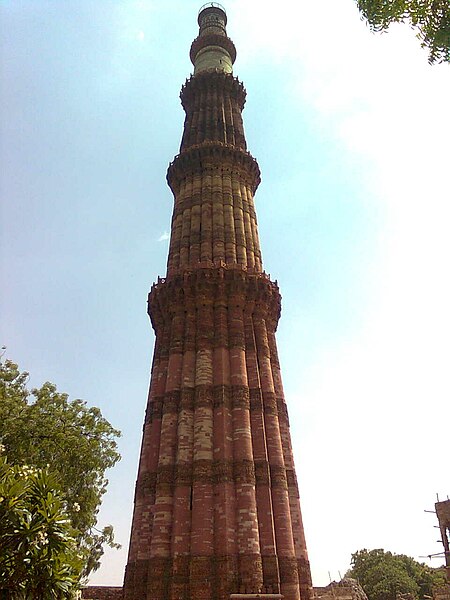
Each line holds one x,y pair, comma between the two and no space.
39,554
383,575
431,19
44,429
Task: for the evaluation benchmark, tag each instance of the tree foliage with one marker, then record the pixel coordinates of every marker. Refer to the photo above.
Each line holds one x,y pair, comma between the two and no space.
75,443
431,19
39,554
384,575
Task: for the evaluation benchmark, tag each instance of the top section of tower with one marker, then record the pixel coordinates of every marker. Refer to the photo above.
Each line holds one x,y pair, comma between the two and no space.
211,8
212,50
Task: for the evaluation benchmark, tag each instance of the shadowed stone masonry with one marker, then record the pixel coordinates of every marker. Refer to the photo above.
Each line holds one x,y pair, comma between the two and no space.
102,593
217,508
443,515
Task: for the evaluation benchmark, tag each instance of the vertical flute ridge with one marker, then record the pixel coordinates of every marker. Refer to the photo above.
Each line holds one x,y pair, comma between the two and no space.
217,509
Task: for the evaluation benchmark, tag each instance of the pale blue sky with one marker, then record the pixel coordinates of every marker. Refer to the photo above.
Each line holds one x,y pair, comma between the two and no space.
351,134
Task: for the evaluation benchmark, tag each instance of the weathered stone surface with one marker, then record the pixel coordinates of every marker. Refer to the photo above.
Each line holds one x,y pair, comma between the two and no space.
346,589
101,593
217,508
443,515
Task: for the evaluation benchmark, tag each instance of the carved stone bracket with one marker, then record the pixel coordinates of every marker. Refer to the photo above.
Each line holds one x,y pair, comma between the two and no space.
223,287
219,156
220,81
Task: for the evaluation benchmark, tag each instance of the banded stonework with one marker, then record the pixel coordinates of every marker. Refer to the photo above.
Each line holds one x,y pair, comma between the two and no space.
217,508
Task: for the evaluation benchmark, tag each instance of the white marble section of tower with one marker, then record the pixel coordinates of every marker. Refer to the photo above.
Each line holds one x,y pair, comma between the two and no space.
213,56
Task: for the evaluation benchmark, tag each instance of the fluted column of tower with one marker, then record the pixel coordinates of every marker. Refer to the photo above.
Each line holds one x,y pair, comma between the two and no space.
217,509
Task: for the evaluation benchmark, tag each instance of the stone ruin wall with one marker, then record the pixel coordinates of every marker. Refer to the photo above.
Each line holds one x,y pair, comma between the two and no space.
101,593
347,589
442,593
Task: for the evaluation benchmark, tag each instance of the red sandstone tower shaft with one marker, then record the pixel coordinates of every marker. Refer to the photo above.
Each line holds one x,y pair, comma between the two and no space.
217,508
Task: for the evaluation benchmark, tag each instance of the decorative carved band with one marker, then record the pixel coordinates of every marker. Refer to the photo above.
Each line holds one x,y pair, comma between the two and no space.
245,573
135,584
222,397
220,81
203,396
271,572
291,479
241,397
159,568
288,569
223,471
218,396
195,159
227,571
278,476
187,399
154,409
201,568
262,472
304,573
251,572
183,473
270,403
203,471
145,485
256,400
282,410
171,402
244,471
180,568
214,472
166,475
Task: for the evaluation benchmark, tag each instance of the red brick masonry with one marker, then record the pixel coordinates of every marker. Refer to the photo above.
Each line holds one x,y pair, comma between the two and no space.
101,593
217,509
115,593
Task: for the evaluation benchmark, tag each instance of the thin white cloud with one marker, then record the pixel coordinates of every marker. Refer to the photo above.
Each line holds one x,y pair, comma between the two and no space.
163,237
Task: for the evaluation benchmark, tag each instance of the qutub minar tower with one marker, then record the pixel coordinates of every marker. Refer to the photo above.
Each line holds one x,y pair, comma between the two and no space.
217,509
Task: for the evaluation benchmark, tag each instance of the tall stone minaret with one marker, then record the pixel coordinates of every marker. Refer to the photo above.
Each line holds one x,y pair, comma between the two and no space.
217,507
